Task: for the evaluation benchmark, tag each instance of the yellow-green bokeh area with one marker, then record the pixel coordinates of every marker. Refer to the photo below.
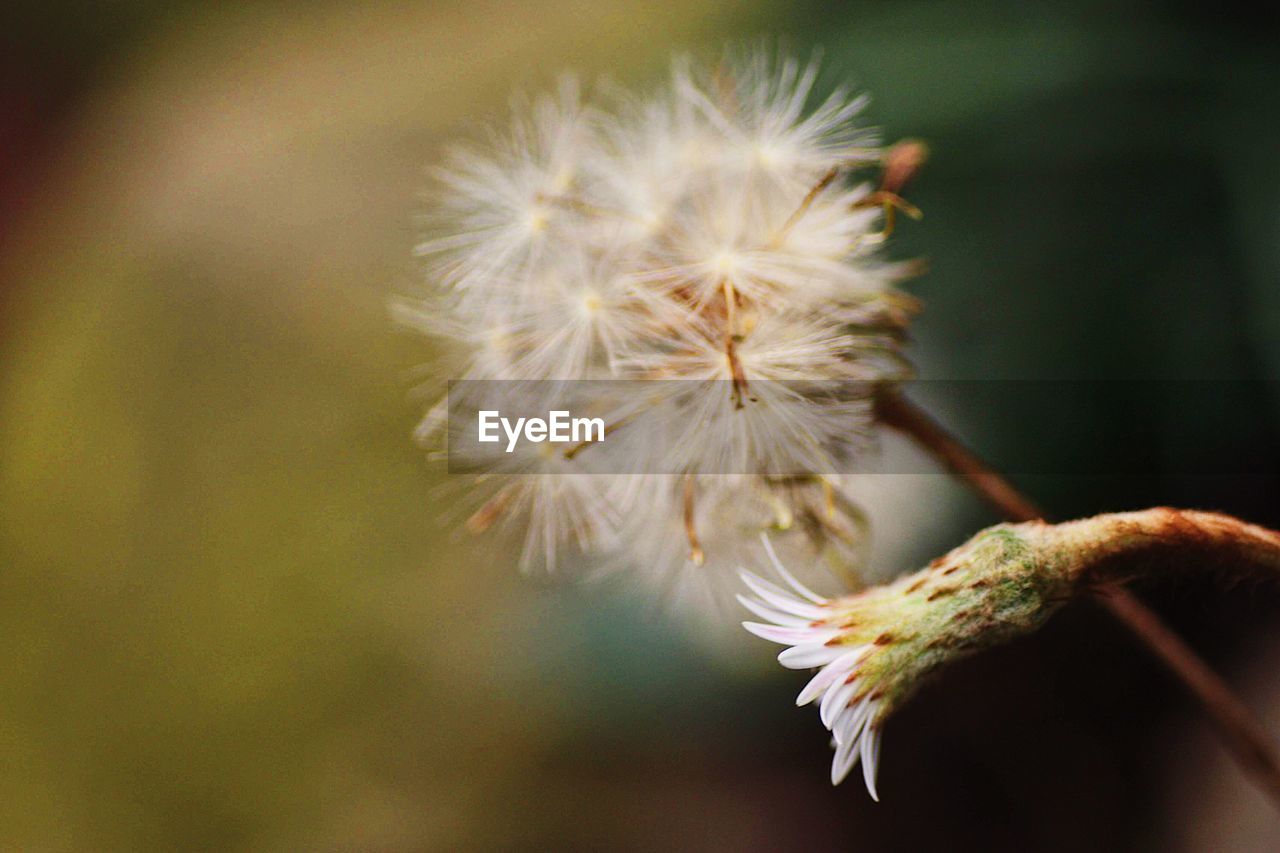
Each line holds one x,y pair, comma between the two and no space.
231,616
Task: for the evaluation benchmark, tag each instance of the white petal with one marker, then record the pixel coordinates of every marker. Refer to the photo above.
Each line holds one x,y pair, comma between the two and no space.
846,756
835,701
805,656
775,616
790,578
766,632
790,636
871,760
848,725
822,681
838,668
780,598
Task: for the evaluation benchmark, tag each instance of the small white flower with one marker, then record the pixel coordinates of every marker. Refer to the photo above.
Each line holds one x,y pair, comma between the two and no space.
875,648
811,626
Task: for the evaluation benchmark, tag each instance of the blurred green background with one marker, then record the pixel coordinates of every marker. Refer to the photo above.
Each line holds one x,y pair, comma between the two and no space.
231,616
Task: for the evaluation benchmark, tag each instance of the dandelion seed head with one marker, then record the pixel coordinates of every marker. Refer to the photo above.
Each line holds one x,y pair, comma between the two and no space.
712,232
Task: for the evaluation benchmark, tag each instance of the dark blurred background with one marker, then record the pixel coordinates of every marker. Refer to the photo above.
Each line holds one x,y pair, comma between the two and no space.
231,617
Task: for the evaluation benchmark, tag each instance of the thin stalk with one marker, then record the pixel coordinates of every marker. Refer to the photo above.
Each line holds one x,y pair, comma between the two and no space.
1246,738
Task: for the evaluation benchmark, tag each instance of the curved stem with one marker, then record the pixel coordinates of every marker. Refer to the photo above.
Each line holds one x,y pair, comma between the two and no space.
1245,736
894,410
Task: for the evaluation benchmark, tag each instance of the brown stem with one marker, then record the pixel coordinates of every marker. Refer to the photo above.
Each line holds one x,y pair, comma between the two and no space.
894,410
690,520
1245,736
807,202
730,342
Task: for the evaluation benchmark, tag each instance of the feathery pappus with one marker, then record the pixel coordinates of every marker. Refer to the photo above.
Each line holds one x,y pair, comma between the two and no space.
719,239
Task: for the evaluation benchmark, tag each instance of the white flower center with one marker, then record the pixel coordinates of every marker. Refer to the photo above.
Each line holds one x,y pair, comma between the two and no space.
725,261
536,218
